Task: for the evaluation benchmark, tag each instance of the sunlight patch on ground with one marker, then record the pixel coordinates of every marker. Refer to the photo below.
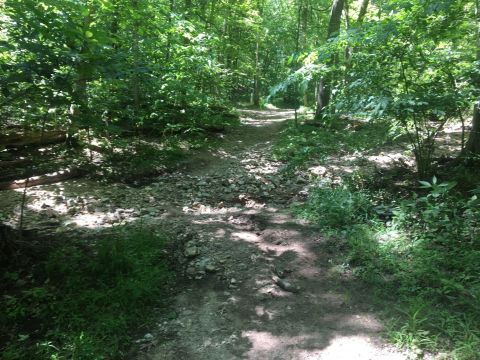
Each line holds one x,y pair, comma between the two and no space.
271,290
277,247
266,345
262,312
56,205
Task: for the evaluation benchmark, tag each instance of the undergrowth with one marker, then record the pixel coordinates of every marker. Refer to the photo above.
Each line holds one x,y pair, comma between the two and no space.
82,302
420,251
299,145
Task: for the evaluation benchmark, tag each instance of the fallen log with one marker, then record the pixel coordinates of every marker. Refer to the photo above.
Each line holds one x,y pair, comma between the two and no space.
97,148
13,163
42,179
36,138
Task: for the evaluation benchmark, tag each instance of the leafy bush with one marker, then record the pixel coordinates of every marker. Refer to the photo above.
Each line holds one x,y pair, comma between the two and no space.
82,303
337,207
298,145
428,257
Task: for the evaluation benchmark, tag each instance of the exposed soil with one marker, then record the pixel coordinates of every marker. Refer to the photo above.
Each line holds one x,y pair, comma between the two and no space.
260,284
263,284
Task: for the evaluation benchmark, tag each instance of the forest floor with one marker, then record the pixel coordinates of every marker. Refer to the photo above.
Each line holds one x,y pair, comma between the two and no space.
259,283
264,285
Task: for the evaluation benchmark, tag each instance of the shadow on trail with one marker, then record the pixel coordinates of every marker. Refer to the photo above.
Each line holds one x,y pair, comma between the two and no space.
243,313
234,201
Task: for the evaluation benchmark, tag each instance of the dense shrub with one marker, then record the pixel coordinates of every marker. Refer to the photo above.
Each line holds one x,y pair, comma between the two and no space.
82,302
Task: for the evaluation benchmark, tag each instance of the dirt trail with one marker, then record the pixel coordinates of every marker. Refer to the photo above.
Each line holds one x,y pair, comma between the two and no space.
262,285
259,283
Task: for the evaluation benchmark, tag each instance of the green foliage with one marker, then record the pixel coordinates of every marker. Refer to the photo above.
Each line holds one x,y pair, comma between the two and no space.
418,80
82,301
112,65
421,252
428,255
299,145
336,207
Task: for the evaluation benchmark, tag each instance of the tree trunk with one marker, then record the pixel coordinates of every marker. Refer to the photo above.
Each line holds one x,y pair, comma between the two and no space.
349,50
79,108
169,35
42,179
256,79
473,144
135,80
363,11
324,88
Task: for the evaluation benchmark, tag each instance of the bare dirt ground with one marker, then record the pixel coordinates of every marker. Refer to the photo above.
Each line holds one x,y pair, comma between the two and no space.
259,284
263,286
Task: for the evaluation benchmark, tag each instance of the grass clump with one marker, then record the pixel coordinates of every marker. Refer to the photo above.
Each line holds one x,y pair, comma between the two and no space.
419,252
423,257
83,302
299,145
336,207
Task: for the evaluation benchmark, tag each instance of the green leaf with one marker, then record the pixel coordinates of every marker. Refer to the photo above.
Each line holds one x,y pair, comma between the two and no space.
425,184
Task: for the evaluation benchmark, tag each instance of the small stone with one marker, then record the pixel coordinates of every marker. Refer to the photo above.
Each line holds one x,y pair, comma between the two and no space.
285,285
50,213
52,222
210,268
279,272
233,281
148,337
191,251
72,211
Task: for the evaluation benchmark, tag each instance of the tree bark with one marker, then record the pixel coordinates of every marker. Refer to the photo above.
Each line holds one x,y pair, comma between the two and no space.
41,180
256,79
32,139
349,50
135,80
324,88
363,11
473,143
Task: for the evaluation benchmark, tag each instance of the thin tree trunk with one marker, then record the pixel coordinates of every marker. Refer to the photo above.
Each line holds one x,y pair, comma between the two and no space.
473,144
169,35
79,106
349,50
363,11
256,79
324,85
136,63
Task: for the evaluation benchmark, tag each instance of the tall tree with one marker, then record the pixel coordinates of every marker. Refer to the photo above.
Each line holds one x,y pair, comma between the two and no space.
473,144
256,77
324,84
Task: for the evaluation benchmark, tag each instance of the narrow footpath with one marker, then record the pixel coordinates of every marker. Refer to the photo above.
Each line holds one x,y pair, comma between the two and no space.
262,285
